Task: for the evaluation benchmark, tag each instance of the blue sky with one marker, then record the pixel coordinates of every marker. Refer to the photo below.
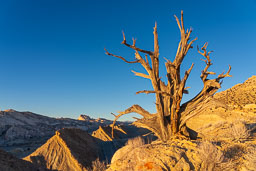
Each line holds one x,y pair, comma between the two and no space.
52,59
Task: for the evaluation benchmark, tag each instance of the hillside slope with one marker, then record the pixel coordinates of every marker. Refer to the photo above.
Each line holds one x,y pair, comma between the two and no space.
68,149
240,94
11,163
236,103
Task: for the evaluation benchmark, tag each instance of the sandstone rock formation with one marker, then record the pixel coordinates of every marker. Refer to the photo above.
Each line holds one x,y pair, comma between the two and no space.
123,131
69,149
84,118
104,133
155,156
183,155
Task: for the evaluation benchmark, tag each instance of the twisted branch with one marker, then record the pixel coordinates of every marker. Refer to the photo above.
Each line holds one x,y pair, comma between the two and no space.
120,57
133,109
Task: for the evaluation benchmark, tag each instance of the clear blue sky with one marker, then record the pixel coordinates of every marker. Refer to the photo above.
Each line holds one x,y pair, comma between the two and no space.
52,59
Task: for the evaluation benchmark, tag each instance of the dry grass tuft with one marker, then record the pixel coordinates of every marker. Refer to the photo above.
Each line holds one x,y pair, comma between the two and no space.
234,151
136,142
210,156
97,165
239,131
250,157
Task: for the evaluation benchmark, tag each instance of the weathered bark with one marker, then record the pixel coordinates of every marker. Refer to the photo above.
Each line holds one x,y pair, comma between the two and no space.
171,116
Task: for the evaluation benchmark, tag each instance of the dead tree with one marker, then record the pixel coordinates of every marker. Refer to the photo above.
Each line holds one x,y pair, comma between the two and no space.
171,116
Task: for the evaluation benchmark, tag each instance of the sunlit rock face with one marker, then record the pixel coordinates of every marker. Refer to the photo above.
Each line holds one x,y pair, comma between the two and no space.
68,149
84,118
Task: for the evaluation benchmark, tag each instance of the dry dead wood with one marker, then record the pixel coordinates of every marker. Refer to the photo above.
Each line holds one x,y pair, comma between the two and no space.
171,116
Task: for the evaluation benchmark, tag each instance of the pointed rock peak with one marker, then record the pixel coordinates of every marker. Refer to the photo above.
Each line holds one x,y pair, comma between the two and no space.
84,117
68,149
10,110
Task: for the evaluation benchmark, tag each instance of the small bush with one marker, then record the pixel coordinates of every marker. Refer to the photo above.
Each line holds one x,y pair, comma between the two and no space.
239,131
210,156
136,142
251,158
234,151
97,165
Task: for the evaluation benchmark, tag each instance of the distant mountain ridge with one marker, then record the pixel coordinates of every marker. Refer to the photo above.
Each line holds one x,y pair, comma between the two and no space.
19,128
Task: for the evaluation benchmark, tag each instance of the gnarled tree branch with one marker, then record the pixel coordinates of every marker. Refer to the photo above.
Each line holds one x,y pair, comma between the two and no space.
133,109
152,91
120,57
134,47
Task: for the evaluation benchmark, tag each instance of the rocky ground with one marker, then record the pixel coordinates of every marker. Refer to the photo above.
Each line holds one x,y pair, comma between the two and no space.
223,153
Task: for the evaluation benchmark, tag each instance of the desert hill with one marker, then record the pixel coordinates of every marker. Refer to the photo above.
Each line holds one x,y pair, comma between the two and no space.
229,106
240,94
74,149
104,133
10,163
122,131
68,149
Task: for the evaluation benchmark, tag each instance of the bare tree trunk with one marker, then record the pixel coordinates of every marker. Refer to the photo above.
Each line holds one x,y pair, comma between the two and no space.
171,116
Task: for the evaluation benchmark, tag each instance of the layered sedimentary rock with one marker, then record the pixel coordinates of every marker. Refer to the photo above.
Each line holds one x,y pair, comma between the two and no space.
68,149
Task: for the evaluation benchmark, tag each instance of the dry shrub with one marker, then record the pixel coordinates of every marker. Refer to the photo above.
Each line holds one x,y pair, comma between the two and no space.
211,157
136,142
239,131
251,158
97,165
234,151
